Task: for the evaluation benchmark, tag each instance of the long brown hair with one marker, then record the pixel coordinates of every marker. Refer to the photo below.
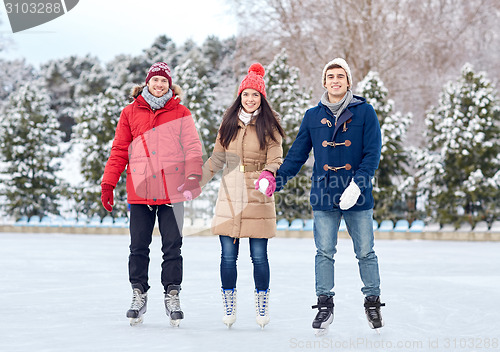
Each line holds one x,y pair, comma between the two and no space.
266,122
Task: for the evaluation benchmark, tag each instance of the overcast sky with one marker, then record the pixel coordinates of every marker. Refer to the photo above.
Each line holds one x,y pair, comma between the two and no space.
105,28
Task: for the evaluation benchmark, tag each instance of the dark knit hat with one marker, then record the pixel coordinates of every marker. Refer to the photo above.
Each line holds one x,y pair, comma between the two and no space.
254,79
160,69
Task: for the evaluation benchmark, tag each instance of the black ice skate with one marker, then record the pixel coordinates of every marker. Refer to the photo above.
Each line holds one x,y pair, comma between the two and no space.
173,305
138,307
324,317
372,310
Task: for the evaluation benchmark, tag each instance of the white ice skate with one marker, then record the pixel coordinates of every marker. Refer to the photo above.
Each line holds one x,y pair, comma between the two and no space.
262,307
229,302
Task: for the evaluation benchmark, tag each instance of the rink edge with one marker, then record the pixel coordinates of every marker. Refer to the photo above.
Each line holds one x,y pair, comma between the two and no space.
199,231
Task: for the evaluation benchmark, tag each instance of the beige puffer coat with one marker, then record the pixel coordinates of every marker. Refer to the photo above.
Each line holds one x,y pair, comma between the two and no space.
242,211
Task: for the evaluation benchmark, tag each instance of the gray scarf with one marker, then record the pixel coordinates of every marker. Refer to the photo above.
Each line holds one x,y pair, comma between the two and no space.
337,108
154,102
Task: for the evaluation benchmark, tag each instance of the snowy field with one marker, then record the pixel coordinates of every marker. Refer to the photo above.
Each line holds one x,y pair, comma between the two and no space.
70,293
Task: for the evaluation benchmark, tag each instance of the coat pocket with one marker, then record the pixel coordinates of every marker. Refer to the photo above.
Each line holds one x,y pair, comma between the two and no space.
173,176
139,174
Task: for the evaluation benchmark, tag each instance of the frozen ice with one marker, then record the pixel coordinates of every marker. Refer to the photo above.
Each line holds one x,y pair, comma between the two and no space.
71,293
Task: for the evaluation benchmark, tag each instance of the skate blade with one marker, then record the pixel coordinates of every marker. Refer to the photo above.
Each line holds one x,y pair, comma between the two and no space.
262,325
136,321
376,328
228,321
175,323
321,331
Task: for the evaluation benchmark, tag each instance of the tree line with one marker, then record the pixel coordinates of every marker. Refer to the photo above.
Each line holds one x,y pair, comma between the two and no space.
68,109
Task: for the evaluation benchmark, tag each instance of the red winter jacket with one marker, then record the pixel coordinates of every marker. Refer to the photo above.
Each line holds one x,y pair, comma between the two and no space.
161,149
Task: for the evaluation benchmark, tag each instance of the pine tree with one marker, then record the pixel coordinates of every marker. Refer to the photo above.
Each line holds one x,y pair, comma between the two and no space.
394,159
459,171
223,80
30,146
290,101
163,49
96,124
128,71
198,98
13,74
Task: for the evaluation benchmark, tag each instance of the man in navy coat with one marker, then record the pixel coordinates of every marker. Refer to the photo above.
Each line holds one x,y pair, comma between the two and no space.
344,133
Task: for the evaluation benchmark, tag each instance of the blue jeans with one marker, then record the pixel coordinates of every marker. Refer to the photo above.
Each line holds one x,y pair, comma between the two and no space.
360,227
258,253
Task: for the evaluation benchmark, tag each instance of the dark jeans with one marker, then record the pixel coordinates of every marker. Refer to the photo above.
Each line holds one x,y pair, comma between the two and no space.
170,222
258,253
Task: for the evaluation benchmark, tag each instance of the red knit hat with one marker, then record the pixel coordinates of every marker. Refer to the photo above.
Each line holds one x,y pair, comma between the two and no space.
160,69
254,79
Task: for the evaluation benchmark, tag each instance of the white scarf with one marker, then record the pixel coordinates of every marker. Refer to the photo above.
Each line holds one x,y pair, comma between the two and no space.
247,117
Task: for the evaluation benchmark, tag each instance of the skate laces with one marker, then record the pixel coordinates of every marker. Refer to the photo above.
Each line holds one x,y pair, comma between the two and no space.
138,299
228,298
173,302
373,309
261,303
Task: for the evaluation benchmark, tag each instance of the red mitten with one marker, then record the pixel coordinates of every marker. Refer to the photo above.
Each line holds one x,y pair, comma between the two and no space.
107,196
190,188
189,184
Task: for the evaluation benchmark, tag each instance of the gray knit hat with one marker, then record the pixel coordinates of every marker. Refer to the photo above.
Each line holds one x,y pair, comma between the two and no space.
342,63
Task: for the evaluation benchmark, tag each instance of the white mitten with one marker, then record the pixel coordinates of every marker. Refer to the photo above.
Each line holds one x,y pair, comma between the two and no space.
263,183
350,196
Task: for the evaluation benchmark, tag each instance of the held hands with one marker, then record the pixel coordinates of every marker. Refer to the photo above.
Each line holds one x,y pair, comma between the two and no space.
266,183
107,196
350,196
190,184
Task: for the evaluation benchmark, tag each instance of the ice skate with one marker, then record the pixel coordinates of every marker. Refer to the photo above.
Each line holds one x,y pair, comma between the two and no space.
173,305
372,311
229,302
138,307
262,307
324,318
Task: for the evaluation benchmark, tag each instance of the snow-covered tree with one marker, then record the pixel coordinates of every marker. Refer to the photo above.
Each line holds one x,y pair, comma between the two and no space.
127,71
290,101
30,142
286,96
198,98
390,198
220,72
96,124
13,73
67,79
459,170
163,49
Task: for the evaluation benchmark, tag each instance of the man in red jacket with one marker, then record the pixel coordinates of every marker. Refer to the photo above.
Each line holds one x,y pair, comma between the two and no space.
156,140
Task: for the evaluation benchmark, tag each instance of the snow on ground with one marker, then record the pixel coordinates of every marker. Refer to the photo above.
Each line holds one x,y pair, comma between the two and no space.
71,292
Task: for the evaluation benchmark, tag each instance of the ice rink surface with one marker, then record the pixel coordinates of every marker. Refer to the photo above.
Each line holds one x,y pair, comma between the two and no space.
70,293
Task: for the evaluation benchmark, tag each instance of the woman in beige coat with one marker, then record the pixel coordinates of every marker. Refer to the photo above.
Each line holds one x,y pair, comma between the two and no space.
248,149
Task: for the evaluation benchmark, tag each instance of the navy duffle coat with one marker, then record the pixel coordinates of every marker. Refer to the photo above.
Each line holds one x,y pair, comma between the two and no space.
349,149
